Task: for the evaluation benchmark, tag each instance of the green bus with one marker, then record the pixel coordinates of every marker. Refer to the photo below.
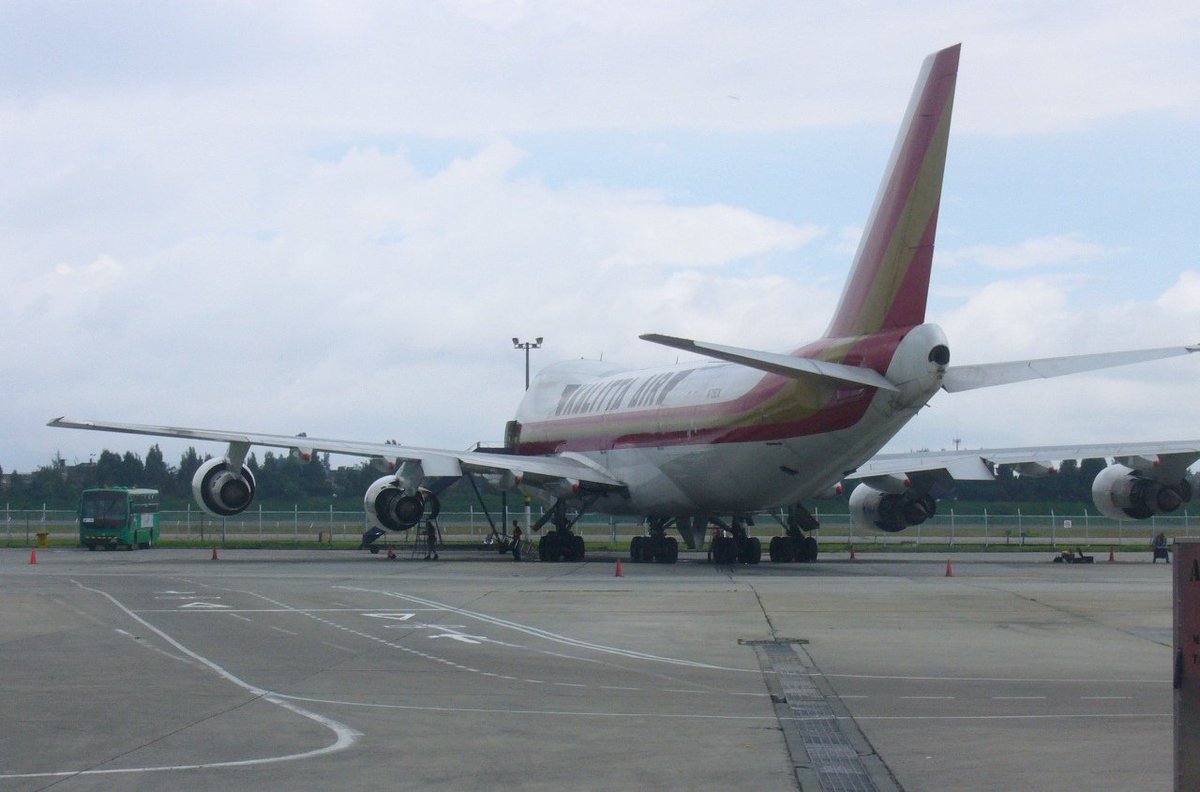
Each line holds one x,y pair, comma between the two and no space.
118,517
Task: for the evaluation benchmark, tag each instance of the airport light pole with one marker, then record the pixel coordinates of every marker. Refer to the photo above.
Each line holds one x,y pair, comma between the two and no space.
527,345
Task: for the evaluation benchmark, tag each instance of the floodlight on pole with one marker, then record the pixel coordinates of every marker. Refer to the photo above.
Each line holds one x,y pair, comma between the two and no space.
527,345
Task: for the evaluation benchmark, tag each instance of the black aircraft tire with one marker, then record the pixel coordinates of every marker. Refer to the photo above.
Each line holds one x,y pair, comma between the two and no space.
649,551
549,549
635,549
578,549
670,553
808,550
753,550
782,549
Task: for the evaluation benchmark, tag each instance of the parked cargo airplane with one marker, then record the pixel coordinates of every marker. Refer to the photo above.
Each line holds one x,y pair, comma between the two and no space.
717,440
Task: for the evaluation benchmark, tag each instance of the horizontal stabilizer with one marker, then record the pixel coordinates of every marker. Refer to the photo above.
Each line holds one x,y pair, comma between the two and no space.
961,378
784,365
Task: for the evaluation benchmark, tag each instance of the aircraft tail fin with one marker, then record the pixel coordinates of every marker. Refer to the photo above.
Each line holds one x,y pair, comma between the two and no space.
889,280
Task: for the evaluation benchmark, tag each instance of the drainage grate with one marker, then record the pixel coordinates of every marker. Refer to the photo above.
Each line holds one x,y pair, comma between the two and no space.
828,750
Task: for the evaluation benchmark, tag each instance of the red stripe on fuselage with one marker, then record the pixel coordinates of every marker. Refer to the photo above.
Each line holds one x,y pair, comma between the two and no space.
766,412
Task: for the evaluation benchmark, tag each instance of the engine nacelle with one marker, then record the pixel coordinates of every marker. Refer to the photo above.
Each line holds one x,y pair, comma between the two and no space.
220,490
1122,493
391,507
889,512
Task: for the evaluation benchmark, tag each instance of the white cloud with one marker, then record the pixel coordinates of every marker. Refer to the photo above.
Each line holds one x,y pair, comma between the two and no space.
374,300
1029,254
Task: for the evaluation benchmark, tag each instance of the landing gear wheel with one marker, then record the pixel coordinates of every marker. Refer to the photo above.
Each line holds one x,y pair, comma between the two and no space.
549,548
575,549
782,549
808,550
635,549
648,550
751,550
669,551
724,551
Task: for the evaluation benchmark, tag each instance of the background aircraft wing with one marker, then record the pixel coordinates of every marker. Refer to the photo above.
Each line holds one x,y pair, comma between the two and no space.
434,462
1168,458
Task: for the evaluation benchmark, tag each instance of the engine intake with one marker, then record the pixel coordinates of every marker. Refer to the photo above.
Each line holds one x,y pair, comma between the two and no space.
1123,493
221,491
390,507
882,511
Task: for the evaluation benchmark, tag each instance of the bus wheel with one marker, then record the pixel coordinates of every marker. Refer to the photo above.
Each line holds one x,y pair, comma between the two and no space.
91,546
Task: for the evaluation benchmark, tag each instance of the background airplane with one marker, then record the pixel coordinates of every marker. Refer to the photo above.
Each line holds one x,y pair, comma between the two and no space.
715,440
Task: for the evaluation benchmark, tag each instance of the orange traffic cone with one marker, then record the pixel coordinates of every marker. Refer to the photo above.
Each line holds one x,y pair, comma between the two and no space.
214,555
619,572
949,568
1112,556
33,556
852,558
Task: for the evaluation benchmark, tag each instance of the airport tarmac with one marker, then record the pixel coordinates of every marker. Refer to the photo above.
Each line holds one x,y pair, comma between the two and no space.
311,669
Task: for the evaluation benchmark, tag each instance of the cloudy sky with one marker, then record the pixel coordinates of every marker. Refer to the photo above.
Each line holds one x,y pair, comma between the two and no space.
333,217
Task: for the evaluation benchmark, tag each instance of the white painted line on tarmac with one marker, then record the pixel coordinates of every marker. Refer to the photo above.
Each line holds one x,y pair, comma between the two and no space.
153,648
285,632
1018,698
929,698
1106,698
1143,681
546,634
243,618
1054,716
345,736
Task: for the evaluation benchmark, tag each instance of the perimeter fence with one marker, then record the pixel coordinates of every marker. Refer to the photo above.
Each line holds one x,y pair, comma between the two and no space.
21,527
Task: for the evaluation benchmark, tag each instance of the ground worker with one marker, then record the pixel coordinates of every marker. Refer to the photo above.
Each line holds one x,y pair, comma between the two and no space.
430,540
516,541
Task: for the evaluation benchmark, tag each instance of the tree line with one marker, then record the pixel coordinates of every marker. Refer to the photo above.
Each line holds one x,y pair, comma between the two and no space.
284,481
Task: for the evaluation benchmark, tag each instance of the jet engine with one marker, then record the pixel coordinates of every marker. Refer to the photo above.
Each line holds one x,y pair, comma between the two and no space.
1123,493
222,491
391,506
889,512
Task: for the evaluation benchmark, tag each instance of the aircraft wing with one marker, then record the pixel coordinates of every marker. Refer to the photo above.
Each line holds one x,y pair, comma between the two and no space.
433,462
961,378
1168,457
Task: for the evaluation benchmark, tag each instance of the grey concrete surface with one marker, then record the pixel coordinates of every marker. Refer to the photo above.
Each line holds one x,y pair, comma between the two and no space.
338,669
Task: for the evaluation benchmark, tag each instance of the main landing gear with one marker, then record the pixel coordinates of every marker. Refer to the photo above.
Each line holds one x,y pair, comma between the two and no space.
560,544
797,544
732,545
657,547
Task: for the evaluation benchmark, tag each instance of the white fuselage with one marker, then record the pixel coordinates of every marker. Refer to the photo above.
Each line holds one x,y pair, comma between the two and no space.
720,438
